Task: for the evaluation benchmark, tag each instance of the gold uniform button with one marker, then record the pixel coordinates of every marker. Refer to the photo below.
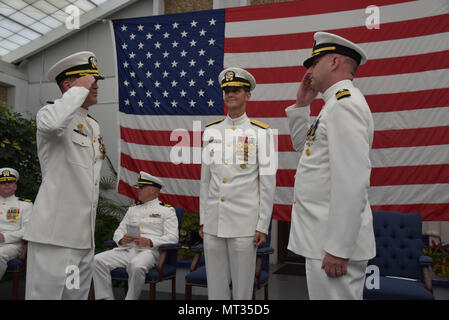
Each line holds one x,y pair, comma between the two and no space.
95,161
229,145
141,227
294,200
1,212
226,162
96,182
95,140
233,128
224,180
222,199
3,203
243,166
94,205
143,217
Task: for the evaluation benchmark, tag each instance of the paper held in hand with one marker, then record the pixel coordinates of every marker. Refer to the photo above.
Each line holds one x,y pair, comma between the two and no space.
133,230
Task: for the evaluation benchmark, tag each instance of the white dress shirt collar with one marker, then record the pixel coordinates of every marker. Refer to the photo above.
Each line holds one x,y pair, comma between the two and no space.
237,121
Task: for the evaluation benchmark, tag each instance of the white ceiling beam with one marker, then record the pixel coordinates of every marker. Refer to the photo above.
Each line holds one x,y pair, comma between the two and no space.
45,41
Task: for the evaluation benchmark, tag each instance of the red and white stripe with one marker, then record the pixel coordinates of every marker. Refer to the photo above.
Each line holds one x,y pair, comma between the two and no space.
405,81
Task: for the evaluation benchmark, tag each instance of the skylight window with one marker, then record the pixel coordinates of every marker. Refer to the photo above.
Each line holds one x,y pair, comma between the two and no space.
25,21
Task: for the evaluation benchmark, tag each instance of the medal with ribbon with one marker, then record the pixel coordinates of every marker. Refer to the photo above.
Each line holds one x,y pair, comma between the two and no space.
102,147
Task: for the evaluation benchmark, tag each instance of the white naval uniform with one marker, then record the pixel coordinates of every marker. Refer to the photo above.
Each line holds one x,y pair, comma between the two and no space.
331,212
158,223
14,215
68,143
236,200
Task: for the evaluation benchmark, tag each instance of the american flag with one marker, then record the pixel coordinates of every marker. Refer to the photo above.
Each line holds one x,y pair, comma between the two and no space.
167,79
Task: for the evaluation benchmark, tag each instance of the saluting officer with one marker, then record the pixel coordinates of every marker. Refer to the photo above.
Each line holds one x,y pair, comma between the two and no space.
331,224
238,178
14,215
154,223
70,150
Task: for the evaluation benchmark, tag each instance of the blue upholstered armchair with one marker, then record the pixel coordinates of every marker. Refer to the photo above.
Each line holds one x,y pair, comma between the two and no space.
164,270
15,267
404,271
197,275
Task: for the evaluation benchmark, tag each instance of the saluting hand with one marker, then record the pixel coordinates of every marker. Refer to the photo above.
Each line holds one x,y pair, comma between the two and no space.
84,81
306,94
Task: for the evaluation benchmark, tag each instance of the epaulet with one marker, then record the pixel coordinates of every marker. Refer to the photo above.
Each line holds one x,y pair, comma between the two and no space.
342,93
165,204
214,122
260,124
92,118
26,200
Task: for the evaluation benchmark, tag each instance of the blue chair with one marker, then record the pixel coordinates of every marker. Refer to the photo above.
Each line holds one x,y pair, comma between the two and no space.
197,276
15,267
164,270
404,271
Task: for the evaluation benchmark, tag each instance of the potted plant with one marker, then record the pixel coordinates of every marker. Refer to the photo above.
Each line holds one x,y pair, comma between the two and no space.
439,252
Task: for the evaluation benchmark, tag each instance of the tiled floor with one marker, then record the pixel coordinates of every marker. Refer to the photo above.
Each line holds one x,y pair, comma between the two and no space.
281,287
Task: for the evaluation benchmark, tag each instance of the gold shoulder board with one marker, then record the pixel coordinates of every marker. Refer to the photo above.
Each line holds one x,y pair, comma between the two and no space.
342,93
214,122
92,118
260,124
165,204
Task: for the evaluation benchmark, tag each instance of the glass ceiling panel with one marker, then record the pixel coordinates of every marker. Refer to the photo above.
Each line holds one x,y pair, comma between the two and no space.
84,4
19,39
60,4
23,21
16,4
33,12
22,18
61,15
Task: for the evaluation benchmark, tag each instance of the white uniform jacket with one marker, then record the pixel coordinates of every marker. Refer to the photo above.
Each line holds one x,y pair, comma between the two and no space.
14,215
238,178
69,150
331,212
156,221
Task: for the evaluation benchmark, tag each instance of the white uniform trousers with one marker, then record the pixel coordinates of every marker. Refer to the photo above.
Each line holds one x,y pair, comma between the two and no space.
8,252
347,287
137,263
230,260
58,273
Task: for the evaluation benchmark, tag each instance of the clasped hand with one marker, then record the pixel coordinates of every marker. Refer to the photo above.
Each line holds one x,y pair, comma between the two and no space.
139,241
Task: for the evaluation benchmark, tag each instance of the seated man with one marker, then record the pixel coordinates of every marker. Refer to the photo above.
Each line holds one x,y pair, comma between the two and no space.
143,229
14,214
